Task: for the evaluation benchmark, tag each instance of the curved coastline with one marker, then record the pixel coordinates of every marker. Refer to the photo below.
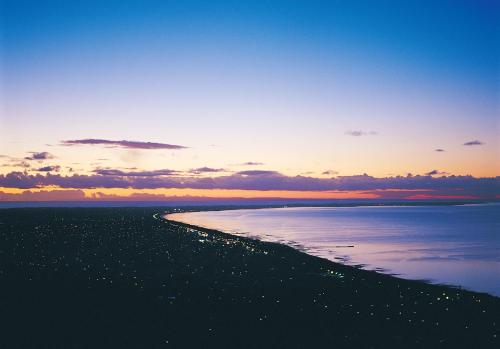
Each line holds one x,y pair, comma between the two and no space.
299,248
407,302
196,228
127,277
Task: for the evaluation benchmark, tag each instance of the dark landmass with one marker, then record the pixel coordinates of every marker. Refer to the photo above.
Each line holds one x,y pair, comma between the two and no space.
125,278
232,203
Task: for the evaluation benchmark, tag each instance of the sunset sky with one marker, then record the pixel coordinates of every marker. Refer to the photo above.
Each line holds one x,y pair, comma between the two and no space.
294,99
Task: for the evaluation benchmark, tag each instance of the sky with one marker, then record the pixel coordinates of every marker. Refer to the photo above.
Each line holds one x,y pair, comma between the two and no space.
294,99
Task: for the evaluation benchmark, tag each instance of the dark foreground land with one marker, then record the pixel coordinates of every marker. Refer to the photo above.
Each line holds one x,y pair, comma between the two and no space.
121,277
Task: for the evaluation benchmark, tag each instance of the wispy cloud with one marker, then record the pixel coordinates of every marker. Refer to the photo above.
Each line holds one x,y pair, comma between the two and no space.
17,163
475,142
206,170
258,173
359,133
122,144
39,156
120,173
252,163
439,150
329,173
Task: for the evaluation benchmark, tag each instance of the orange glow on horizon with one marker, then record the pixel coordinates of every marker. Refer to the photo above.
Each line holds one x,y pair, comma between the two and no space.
159,194
52,193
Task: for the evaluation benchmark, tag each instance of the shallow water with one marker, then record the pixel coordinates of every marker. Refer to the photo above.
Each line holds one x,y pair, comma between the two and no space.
454,245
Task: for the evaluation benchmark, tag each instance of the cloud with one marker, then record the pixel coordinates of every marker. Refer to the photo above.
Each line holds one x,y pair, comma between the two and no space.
115,172
329,173
55,168
44,195
252,163
206,170
475,142
122,144
359,133
258,173
439,150
452,186
15,162
39,156
22,164
435,172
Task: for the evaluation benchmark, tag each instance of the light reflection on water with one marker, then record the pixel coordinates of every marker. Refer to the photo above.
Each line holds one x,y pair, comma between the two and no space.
456,245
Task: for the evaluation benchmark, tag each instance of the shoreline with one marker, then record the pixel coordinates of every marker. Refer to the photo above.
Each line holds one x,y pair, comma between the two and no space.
303,249
358,267
123,277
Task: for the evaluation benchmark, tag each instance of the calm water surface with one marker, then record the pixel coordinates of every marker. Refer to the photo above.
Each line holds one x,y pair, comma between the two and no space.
455,245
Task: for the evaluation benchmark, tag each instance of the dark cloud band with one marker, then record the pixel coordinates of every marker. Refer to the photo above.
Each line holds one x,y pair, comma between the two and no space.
263,180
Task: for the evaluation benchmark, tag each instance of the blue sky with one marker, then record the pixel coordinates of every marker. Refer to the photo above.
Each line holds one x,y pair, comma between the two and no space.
279,82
